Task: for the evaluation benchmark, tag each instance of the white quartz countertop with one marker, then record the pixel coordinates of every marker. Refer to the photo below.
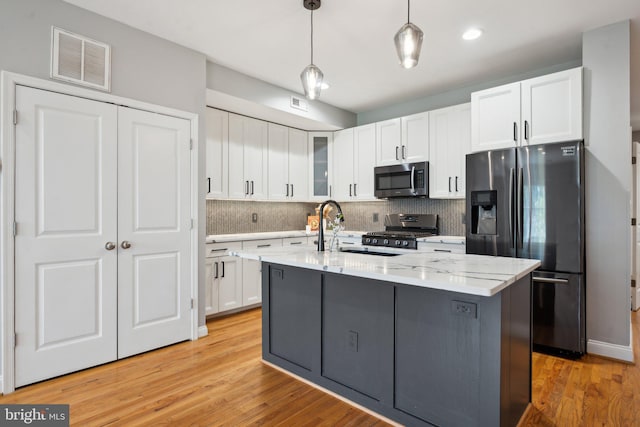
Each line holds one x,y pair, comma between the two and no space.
470,274
220,238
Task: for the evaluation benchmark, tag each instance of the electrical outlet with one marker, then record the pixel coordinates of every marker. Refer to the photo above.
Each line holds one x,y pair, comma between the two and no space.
375,217
254,217
352,341
462,308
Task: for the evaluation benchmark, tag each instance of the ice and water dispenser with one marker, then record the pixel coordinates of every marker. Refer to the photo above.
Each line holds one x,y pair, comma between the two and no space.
483,212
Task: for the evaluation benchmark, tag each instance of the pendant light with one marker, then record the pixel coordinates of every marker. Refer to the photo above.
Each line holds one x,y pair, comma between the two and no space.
311,76
408,41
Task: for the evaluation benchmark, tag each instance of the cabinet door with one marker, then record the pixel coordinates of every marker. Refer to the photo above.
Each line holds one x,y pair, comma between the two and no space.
463,147
388,142
441,150
251,273
237,183
278,153
217,153
364,140
230,283
298,160
552,107
211,266
415,138
343,164
320,165
256,152
495,118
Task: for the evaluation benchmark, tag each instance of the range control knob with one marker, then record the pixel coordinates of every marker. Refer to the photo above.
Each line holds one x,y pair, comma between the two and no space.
398,242
374,241
405,243
367,240
386,241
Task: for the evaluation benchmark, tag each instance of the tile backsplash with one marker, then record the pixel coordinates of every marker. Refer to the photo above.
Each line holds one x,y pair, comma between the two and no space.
235,216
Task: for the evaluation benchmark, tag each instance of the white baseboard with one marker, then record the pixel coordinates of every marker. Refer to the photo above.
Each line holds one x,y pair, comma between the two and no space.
203,331
613,351
1,383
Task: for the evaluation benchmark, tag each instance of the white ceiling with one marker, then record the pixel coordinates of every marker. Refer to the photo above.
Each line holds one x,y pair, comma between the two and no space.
353,45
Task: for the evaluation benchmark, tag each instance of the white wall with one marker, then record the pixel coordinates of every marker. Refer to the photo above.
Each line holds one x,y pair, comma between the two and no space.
144,67
606,61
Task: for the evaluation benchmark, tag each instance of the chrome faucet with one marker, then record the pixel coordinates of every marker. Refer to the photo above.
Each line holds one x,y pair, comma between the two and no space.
320,225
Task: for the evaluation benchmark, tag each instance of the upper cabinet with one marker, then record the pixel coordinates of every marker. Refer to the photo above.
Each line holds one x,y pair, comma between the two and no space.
320,165
449,143
535,111
217,152
403,140
354,157
287,156
248,156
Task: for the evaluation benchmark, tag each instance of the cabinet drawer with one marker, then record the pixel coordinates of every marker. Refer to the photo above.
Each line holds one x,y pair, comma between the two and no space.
221,249
260,244
441,247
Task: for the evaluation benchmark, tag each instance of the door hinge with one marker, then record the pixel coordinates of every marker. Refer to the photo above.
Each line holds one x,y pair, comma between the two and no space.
633,221
633,160
191,144
15,340
633,283
15,117
192,303
192,223
15,228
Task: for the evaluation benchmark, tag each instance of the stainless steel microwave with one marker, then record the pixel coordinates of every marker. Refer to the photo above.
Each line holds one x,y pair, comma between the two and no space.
405,180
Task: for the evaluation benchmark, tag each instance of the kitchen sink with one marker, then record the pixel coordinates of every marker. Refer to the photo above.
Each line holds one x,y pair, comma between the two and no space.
367,252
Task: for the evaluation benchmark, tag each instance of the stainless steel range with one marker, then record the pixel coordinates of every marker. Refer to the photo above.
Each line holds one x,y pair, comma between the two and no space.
403,230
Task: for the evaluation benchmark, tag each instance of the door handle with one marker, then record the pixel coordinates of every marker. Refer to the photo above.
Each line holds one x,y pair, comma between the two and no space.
246,188
397,153
291,190
110,246
449,184
456,184
295,243
125,244
550,280
287,189
252,188
520,218
442,250
216,273
526,130
265,245
511,178
209,180
222,269
515,132
404,154
350,185
355,190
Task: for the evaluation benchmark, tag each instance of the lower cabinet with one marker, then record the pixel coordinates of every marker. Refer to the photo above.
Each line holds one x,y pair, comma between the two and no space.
224,278
251,279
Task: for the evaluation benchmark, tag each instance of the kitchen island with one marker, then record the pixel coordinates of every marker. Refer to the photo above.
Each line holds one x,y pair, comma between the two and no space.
420,338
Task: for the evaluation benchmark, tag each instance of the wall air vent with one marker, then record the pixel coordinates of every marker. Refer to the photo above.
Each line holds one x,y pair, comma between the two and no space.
80,60
299,104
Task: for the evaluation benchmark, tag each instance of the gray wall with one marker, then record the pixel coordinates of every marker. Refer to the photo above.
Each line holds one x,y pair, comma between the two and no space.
144,67
452,97
606,60
234,216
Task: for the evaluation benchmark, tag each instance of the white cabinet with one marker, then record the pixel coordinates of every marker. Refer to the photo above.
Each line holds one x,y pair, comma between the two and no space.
217,153
251,271
320,165
354,159
452,248
535,111
248,157
403,140
449,143
224,278
287,163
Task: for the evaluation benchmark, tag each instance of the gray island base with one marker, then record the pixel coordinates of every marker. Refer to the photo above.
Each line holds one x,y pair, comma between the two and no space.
407,349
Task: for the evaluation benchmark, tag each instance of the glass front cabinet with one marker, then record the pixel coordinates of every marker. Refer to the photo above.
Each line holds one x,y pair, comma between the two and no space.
320,153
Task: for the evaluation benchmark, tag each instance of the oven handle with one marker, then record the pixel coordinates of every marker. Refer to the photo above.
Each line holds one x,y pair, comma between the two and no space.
413,185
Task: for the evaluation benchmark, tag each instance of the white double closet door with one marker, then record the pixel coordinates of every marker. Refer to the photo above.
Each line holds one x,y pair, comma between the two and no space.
102,250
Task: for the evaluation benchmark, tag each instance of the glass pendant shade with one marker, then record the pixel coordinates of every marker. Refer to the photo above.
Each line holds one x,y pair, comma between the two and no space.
408,41
311,78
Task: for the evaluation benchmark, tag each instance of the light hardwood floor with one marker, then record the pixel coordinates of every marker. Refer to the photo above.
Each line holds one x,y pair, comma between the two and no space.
219,380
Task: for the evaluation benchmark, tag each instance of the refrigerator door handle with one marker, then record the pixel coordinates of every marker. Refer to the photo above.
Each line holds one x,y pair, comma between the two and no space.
520,214
550,280
511,178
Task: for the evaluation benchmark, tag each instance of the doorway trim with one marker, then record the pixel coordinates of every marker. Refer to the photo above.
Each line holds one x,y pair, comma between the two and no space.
8,83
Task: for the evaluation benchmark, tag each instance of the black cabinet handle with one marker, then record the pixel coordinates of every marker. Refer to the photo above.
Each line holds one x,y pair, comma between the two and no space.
209,180
222,269
287,189
456,184
264,246
216,275
515,132
397,153
252,188
449,184
246,188
404,154
291,190
355,190
442,250
350,185
526,130
295,243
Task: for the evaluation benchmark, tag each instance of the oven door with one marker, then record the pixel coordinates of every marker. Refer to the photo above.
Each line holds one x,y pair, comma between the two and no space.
405,180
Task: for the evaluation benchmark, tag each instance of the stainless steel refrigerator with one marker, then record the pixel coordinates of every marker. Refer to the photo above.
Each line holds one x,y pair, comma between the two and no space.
528,202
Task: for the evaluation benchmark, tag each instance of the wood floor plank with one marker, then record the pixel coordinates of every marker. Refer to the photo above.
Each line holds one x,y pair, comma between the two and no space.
220,380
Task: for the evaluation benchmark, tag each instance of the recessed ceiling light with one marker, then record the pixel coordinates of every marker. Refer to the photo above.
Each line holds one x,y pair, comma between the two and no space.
324,86
472,34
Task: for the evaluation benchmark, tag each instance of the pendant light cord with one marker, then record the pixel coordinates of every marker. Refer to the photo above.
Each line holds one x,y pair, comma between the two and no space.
408,10
312,35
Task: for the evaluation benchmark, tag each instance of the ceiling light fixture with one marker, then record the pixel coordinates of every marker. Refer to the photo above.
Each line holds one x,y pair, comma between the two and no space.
311,76
472,34
408,41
